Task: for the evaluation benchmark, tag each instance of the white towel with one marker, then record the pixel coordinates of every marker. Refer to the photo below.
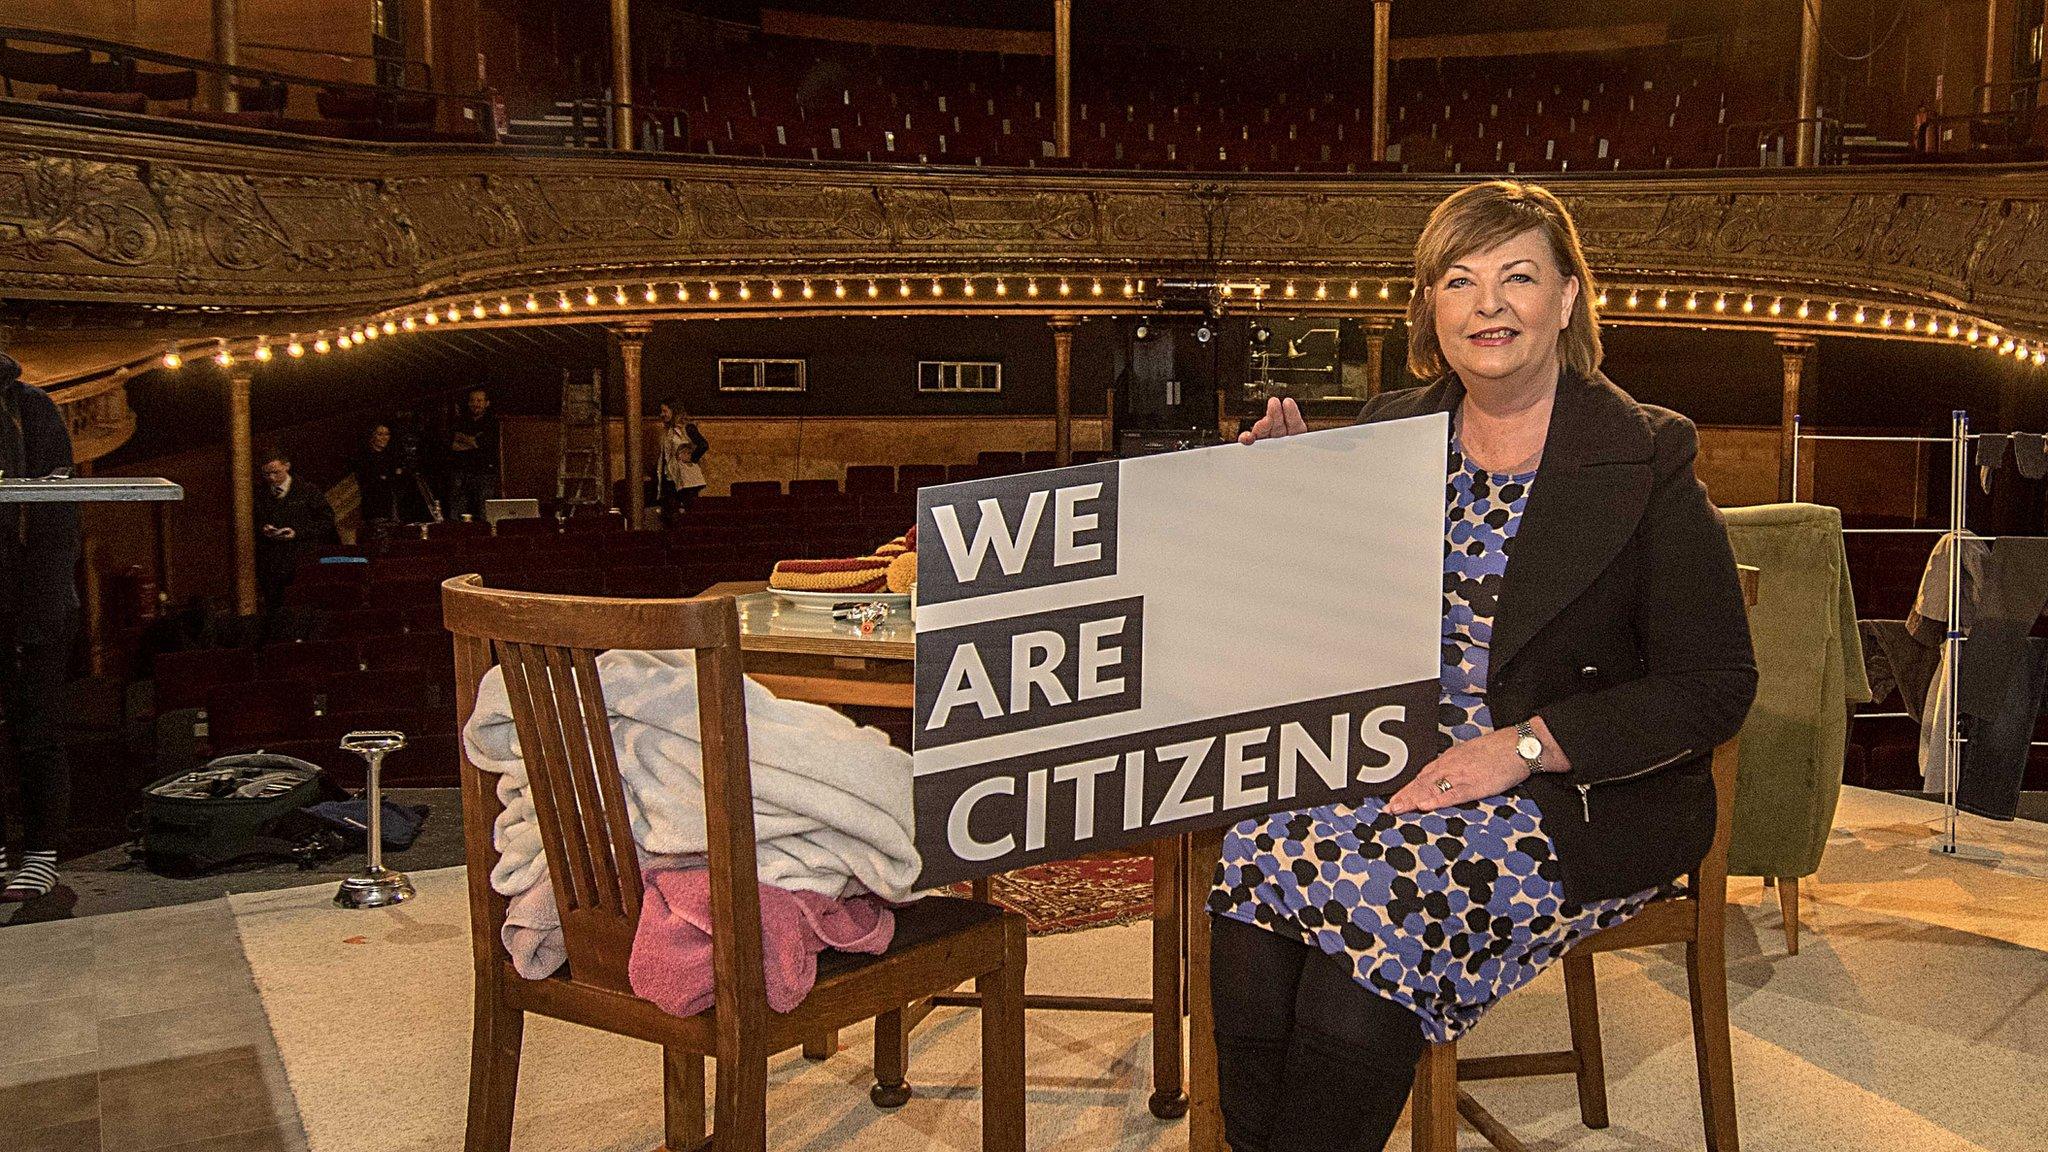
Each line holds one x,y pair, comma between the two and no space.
832,800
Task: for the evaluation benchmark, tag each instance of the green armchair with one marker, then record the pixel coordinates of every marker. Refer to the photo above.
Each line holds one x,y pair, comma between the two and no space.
1809,671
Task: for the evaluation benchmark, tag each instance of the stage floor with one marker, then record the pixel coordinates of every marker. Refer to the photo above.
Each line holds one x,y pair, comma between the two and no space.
1916,1016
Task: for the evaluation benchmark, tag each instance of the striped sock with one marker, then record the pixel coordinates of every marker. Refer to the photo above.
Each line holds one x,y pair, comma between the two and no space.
37,876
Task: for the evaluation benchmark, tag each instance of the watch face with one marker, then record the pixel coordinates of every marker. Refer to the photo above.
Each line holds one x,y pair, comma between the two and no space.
1529,748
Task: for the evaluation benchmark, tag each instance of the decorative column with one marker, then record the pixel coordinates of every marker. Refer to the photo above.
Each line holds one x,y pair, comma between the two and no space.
622,78
1062,390
1998,29
1807,139
1062,76
1795,350
1382,22
226,52
632,340
242,487
1375,354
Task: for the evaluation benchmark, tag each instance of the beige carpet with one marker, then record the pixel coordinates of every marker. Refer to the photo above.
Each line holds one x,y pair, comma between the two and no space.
1915,1018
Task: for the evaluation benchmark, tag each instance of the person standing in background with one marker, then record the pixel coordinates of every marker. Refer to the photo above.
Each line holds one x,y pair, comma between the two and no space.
472,457
681,474
292,521
383,476
38,610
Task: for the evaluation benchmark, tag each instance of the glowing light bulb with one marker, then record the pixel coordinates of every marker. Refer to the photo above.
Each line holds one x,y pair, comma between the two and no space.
1064,289
746,293
172,359
1386,289
1095,288
454,313
1031,287
1805,309
476,310
1129,290
1002,287
1834,312
370,332
1858,318
1748,305
1777,305
1289,290
938,289
1952,329
1601,299
1663,299
262,353
838,290
562,300
532,302
590,297
1631,301
434,317
390,328
809,291
967,287
650,295
295,349
1352,290
874,290
1885,321
223,357
711,290
1692,302
775,289
1912,322
1721,302
321,346
903,288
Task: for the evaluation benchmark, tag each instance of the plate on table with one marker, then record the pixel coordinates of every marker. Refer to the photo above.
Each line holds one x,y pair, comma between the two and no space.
826,601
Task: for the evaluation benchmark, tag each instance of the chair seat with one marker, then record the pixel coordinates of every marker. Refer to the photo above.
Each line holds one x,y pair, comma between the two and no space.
926,920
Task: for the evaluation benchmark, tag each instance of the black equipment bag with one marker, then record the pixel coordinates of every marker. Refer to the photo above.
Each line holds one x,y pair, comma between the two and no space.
232,808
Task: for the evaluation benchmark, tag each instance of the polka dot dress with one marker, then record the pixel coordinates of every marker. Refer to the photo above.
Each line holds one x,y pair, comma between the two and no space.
1443,912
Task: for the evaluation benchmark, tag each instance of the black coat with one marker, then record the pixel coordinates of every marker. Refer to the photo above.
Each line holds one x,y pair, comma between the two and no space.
1621,622
306,512
38,542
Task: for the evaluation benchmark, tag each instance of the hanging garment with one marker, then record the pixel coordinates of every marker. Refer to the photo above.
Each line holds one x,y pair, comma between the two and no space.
1995,754
2030,454
1990,456
1928,621
2005,589
1894,658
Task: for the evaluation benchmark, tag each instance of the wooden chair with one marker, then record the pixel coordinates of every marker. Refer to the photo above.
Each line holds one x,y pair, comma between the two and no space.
1696,919
547,646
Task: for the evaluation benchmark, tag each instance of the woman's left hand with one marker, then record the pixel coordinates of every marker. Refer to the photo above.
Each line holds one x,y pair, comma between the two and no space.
1483,766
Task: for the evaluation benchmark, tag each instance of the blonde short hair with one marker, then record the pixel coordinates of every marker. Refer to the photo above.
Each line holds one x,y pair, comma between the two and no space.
1476,218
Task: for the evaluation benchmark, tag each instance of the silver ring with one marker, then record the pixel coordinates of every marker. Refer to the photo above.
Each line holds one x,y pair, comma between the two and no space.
1443,784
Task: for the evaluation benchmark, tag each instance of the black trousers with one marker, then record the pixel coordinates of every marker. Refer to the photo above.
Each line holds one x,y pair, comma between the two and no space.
31,683
1995,757
1306,1059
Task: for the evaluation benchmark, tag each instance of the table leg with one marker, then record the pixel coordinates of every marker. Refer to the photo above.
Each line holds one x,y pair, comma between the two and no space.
1169,932
1205,1117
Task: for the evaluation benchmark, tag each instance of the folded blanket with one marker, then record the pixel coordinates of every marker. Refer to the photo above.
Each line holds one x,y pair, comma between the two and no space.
671,963
832,800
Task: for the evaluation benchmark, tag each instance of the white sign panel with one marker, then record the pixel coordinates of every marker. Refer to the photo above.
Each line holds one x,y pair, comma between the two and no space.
1115,652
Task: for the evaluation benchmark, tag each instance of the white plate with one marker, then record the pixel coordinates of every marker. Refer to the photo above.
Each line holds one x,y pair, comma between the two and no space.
826,601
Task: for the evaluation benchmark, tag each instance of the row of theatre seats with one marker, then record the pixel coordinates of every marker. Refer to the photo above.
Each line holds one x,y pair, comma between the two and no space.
1649,108
109,80
368,649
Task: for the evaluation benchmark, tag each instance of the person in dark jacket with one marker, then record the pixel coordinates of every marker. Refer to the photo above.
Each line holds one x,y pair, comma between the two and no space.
293,519
38,613
385,479
1595,651
472,457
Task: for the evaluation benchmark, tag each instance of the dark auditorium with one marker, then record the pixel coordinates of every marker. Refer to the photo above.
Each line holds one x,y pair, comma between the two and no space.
1053,575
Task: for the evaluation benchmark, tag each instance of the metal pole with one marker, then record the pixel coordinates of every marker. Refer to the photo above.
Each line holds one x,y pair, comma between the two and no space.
242,486
226,34
1062,77
622,75
1794,497
632,340
1952,641
1382,21
1062,390
1808,138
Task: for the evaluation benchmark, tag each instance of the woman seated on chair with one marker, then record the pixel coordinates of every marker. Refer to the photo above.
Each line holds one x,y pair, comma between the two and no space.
1595,651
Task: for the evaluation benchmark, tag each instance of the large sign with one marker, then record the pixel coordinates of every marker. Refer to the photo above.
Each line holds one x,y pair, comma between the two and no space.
1115,652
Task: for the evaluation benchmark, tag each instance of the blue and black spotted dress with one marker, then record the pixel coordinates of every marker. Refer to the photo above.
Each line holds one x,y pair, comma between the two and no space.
1442,912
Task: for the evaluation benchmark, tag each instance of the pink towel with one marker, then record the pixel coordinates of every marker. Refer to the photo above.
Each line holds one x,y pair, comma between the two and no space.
671,963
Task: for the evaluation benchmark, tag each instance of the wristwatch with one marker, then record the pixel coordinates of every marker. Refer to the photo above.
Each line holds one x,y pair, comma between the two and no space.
1528,747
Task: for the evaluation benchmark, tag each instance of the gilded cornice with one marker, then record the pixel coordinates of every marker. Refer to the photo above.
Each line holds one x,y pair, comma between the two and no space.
257,227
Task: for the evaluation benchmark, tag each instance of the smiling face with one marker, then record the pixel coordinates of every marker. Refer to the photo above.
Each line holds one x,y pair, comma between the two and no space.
380,438
1498,312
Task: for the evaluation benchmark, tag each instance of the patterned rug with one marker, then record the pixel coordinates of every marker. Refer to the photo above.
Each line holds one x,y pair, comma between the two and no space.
1067,896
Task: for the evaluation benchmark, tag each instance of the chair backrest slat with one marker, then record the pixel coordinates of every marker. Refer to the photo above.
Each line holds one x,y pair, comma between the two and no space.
547,647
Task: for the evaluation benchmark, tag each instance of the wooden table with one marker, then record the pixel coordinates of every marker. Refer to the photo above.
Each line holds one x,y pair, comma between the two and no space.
801,655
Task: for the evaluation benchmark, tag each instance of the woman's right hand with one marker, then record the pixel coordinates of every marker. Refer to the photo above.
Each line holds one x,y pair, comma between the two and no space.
1282,418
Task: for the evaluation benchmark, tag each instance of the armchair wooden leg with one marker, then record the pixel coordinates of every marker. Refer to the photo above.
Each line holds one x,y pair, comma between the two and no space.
1002,1046
682,1100
1788,910
496,1034
1433,1107
1169,1101
1582,1006
823,1046
892,1059
1706,970
739,1120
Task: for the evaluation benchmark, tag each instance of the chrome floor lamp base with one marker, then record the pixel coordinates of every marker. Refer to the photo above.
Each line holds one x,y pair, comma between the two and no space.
375,886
